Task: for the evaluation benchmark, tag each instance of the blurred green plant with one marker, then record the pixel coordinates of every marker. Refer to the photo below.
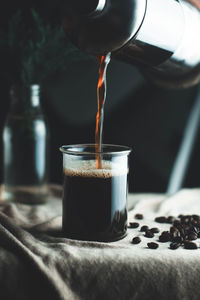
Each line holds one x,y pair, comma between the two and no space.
29,54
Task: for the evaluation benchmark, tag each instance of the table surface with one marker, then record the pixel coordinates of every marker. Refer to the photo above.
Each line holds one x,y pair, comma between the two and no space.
39,263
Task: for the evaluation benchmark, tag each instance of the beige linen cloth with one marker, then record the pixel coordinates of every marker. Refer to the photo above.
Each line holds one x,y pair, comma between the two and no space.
36,262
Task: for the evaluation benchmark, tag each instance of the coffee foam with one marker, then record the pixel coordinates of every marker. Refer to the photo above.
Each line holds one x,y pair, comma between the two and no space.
88,169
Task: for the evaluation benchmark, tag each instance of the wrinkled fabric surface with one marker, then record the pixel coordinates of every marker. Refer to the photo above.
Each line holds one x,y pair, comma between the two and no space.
36,262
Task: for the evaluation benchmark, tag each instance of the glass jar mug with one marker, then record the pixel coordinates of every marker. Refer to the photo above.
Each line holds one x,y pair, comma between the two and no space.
94,199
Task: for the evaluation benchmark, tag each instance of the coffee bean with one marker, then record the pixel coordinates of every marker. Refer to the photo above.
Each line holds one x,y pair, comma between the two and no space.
194,223
173,229
185,220
182,232
175,235
166,233
188,228
165,237
179,226
194,229
155,230
196,217
177,239
134,225
139,216
144,228
152,245
149,234
160,219
170,219
176,223
174,246
190,245
192,236
136,240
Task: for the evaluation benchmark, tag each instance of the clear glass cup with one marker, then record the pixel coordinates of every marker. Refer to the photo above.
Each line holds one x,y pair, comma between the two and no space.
94,200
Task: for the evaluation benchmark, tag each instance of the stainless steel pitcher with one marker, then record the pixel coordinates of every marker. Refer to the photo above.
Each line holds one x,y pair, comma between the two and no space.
162,37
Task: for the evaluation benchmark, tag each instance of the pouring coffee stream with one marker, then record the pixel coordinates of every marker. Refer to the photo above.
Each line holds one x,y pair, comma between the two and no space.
101,97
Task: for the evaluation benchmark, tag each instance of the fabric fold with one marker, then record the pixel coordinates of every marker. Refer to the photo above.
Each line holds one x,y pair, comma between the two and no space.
37,262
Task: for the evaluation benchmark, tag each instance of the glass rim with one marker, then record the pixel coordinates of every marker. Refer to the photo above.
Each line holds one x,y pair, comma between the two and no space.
117,149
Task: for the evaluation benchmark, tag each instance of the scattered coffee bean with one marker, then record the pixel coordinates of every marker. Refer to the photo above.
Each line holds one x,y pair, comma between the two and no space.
177,239
170,219
173,230
136,240
184,230
152,245
160,219
144,228
155,230
176,223
188,228
134,225
196,217
193,229
194,222
174,246
139,216
192,236
175,233
165,237
190,245
149,234
185,220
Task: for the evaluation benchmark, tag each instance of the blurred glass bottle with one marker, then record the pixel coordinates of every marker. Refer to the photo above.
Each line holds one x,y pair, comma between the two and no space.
25,148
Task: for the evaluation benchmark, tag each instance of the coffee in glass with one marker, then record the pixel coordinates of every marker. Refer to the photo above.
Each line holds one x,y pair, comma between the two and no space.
94,200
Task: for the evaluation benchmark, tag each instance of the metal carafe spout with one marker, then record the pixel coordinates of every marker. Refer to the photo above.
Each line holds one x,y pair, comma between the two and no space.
161,37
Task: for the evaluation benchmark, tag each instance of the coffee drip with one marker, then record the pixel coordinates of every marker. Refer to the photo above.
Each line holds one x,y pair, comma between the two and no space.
160,37
101,97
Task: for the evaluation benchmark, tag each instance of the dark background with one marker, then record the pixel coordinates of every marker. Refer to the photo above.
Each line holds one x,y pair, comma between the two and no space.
137,113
